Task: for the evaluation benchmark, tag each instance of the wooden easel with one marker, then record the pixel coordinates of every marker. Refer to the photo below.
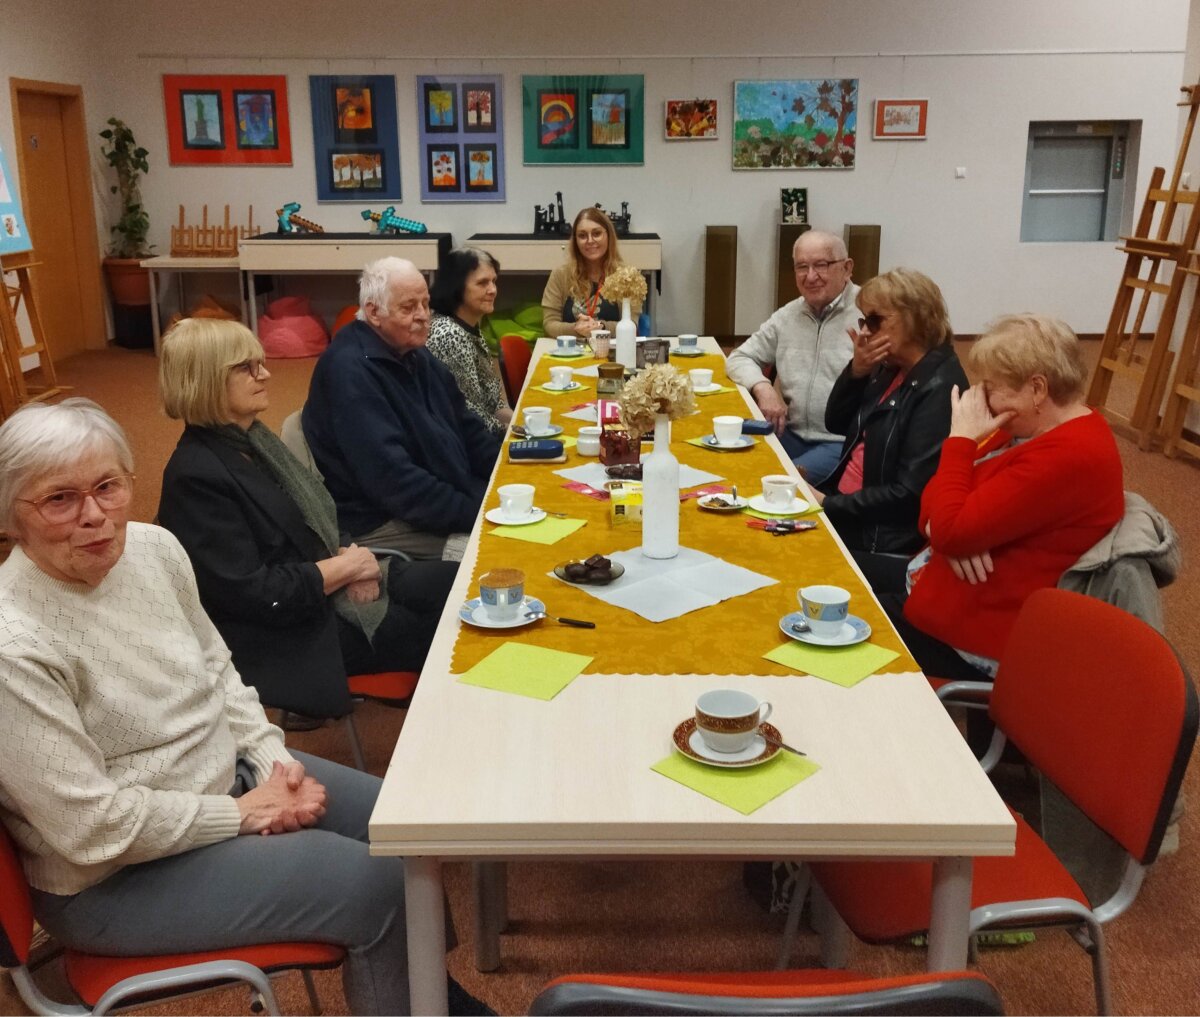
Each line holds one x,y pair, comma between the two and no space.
1184,391
1147,252
14,392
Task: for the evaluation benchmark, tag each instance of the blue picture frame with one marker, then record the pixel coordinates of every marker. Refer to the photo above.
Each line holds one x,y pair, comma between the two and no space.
468,121
376,141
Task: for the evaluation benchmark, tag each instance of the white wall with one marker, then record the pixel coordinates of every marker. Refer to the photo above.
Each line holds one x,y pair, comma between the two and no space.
987,68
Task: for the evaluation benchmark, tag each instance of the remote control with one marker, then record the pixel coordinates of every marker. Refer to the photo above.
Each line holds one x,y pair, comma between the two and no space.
535,448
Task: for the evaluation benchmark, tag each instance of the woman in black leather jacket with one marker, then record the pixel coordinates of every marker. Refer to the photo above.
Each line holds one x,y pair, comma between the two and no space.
892,402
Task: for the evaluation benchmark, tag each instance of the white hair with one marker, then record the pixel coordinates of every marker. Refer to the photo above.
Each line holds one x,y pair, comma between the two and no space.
836,245
377,278
41,438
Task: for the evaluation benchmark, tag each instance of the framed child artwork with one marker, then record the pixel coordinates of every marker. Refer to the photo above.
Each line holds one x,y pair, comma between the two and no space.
356,142
461,132
227,119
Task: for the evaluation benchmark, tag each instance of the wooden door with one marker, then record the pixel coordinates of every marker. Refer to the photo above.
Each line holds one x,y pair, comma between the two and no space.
53,160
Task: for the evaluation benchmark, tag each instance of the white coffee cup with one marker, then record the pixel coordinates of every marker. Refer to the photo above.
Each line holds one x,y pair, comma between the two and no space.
601,338
701,378
502,592
727,430
825,608
728,719
588,442
537,420
516,500
565,342
688,341
779,490
561,377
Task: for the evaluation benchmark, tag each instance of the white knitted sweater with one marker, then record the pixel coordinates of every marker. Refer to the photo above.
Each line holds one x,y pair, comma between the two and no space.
121,716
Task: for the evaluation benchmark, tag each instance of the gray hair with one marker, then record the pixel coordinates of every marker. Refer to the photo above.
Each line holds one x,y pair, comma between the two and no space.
836,245
377,277
41,438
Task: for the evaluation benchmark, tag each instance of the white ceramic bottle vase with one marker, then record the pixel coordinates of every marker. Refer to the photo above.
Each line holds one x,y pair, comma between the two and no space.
660,495
626,338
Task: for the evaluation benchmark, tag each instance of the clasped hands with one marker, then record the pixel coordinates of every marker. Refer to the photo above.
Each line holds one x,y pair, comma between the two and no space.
287,801
365,587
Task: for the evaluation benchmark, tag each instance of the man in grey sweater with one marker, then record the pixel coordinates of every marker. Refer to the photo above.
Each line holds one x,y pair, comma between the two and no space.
808,344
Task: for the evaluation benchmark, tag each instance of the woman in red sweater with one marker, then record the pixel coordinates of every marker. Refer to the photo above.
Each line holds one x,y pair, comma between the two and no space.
1029,479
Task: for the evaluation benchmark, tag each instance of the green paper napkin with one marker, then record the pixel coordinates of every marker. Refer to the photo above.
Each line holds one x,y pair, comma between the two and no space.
701,443
843,665
745,789
562,391
549,531
526,670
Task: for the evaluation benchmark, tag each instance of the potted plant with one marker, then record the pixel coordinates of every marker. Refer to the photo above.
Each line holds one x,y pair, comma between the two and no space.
128,281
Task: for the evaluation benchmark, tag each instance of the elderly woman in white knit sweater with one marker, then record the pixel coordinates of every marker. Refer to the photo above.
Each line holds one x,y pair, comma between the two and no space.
135,767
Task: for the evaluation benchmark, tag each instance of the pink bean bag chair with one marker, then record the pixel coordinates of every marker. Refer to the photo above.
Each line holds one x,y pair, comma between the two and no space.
290,329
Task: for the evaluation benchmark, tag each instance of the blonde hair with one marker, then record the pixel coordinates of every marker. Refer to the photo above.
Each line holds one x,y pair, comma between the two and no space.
193,368
916,298
1018,346
581,286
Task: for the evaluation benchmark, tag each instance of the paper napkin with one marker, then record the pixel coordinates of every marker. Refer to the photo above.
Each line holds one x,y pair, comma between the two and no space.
526,670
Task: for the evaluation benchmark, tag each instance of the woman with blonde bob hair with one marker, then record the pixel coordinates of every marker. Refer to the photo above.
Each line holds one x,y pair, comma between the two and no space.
1029,479
572,303
297,603
892,402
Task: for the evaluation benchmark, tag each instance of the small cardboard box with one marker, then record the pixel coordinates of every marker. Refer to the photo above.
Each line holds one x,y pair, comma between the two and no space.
625,502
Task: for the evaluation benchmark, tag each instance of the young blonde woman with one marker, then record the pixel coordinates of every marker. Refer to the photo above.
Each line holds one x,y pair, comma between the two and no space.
571,302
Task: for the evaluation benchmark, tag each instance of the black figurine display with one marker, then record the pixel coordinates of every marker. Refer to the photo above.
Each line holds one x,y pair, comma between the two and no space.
551,220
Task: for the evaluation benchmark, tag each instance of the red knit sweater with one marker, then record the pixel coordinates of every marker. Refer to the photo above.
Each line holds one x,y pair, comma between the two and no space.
1035,507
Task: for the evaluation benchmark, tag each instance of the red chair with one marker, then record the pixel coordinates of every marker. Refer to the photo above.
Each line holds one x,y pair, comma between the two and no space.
346,315
1098,702
392,688
515,354
769,992
105,983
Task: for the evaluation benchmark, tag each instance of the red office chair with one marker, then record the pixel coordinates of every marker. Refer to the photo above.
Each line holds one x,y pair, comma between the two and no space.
1098,702
105,983
769,992
515,355
392,688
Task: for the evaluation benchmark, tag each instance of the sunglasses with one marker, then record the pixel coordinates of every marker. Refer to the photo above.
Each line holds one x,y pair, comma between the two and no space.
871,322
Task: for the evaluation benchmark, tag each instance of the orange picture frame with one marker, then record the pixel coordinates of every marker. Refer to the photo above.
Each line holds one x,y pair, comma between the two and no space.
227,119
900,119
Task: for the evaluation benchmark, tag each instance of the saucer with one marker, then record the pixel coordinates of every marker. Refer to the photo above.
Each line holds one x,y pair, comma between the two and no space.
550,432
759,504
688,741
498,517
707,502
685,351
854,630
744,441
565,388
709,389
474,613
618,570
570,351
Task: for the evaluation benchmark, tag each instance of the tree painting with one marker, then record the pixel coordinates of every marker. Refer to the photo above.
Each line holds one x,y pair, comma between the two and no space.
608,116
479,107
354,171
354,109
441,107
445,169
801,124
481,175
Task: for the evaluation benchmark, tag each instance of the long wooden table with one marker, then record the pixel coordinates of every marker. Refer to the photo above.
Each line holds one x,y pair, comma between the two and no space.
484,775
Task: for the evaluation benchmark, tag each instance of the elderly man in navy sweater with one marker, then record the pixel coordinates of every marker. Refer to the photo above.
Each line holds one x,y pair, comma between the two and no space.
405,459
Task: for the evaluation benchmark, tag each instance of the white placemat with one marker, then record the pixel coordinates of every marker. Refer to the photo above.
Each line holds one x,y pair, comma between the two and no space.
593,475
668,588
587,372
586,413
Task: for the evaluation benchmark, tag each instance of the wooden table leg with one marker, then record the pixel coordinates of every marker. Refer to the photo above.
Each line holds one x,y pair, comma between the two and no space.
424,903
950,914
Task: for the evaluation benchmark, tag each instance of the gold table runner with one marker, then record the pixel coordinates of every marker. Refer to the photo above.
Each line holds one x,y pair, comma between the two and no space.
728,638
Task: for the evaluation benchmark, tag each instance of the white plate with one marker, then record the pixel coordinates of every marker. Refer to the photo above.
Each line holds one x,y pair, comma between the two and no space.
550,432
474,613
743,441
706,502
684,351
573,351
759,504
564,388
709,389
854,630
498,517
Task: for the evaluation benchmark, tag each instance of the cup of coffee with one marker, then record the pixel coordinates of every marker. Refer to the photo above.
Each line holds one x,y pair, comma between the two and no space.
516,500
728,719
537,420
565,343
825,608
779,490
601,337
561,377
687,341
588,442
701,378
727,430
502,591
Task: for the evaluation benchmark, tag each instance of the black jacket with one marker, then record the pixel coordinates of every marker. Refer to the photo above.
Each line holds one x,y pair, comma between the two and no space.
254,559
903,438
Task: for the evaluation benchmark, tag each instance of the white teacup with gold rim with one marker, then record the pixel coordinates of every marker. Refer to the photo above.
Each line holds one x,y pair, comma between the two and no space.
728,719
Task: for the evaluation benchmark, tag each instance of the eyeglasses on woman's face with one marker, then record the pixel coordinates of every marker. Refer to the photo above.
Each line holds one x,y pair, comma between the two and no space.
66,506
256,368
872,322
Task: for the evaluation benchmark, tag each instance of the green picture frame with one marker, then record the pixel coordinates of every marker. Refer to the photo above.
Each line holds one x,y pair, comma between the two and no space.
583,119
